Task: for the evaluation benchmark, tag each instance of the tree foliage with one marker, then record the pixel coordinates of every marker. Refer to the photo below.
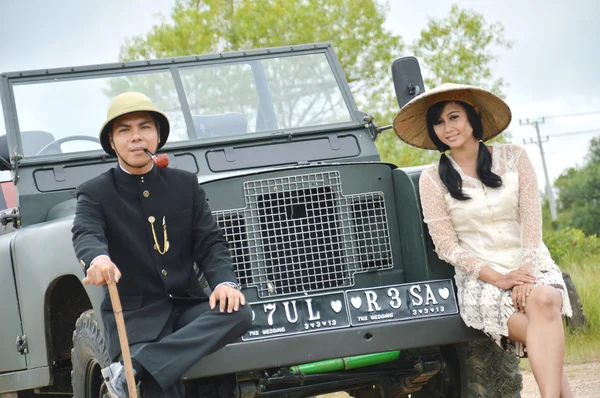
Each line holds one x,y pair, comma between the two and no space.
579,194
459,48
355,27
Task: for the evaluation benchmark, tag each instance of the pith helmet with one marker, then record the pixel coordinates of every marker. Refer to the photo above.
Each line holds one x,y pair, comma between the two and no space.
128,103
410,124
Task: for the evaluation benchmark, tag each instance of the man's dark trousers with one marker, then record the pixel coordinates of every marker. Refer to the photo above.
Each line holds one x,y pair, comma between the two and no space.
192,332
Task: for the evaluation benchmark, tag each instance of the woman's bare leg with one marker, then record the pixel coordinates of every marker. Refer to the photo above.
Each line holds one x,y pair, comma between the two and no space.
517,325
565,391
545,339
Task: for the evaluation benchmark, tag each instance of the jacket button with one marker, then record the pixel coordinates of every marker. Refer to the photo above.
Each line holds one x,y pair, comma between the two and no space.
164,272
146,194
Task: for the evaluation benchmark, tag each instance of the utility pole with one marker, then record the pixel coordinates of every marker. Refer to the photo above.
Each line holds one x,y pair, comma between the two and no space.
549,193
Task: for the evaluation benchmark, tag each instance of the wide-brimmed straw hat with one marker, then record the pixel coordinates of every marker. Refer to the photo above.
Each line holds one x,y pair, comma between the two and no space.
410,124
128,103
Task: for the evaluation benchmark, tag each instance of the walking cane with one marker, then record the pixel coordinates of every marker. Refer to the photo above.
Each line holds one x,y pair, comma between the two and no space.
118,311
116,304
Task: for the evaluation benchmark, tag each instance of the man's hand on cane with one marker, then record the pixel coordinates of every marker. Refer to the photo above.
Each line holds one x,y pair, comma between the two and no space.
100,272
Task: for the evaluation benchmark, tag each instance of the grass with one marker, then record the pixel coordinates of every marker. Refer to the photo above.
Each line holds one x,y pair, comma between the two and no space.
582,346
584,270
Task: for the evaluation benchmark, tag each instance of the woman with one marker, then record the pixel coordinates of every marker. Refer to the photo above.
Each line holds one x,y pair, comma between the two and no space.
482,206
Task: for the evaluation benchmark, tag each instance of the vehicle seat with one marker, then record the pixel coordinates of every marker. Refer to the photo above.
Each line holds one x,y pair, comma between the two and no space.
32,142
221,125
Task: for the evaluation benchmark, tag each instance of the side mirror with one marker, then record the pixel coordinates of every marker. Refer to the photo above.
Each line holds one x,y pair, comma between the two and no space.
408,81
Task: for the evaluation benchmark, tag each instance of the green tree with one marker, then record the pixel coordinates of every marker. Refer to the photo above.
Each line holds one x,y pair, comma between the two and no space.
355,27
461,49
579,194
363,45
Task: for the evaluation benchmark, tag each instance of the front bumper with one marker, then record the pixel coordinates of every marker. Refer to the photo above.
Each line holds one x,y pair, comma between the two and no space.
310,347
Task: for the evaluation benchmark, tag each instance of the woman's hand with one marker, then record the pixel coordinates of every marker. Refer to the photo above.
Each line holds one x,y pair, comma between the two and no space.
519,296
518,277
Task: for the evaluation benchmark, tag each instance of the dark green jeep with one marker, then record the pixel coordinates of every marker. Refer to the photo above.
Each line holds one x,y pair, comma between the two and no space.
327,241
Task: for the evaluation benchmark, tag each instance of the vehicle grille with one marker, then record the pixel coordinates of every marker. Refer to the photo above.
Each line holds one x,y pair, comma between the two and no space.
301,234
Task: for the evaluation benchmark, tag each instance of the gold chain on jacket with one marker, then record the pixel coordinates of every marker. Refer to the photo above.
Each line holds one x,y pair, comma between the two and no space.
165,238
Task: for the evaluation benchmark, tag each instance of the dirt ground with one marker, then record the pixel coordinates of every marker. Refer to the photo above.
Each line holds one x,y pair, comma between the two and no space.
584,380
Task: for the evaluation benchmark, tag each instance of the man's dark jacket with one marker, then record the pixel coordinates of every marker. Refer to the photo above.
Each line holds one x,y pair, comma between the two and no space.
112,218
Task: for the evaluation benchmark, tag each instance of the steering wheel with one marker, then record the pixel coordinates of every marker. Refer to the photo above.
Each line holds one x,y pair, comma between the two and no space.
54,146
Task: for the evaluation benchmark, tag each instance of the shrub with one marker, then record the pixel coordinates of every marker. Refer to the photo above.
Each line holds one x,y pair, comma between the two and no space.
571,243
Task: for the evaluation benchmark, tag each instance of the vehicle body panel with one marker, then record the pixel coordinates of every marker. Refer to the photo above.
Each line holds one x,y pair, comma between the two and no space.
37,271
10,359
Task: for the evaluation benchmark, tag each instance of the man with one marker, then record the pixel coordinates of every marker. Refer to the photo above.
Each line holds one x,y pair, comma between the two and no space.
146,226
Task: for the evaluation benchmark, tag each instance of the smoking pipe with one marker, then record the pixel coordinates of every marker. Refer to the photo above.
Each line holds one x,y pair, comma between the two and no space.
161,160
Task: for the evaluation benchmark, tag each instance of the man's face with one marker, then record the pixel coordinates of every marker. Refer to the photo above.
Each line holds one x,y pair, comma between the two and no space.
130,135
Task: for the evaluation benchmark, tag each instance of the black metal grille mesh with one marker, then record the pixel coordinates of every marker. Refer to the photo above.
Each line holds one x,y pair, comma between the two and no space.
301,234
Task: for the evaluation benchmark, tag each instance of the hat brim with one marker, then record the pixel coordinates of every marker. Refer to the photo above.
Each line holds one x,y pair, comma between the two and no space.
410,124
162,119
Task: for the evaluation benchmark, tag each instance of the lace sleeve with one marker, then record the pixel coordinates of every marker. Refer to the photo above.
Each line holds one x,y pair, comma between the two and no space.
441,228
530,210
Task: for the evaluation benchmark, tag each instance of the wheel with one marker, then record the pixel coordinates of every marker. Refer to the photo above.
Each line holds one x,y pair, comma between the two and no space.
89,356
474,370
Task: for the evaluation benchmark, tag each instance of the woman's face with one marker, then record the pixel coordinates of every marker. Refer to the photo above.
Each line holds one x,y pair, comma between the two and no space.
453,127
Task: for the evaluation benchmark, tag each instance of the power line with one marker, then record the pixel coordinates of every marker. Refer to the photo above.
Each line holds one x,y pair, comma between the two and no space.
535,124
574,133
549,193
571,115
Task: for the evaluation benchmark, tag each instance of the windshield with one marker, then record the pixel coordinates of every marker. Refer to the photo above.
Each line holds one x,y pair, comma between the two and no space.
4,175
229,99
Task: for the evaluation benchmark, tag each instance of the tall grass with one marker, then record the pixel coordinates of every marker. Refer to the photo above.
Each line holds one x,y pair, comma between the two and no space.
584,269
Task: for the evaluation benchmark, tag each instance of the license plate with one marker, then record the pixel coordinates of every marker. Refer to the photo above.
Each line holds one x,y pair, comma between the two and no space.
400,302
297,315
305,314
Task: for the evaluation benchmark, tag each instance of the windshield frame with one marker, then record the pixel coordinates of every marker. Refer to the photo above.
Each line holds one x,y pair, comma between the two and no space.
174,66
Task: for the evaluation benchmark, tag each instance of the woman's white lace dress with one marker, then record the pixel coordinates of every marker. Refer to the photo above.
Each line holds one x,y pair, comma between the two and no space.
497,227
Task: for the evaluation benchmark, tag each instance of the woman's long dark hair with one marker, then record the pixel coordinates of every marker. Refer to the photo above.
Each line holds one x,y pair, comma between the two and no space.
450,176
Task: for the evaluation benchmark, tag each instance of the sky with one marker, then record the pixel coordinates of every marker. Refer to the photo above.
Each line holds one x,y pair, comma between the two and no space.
553,68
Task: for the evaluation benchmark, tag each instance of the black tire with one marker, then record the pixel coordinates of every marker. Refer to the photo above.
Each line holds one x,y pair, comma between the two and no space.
475,370
89,356
578,321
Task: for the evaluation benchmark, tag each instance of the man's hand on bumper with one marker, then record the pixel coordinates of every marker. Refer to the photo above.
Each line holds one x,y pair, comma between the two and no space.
228,297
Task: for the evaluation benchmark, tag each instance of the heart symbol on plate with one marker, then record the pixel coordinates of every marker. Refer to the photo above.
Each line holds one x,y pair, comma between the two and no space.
444,293
356,302
336,305
421,312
